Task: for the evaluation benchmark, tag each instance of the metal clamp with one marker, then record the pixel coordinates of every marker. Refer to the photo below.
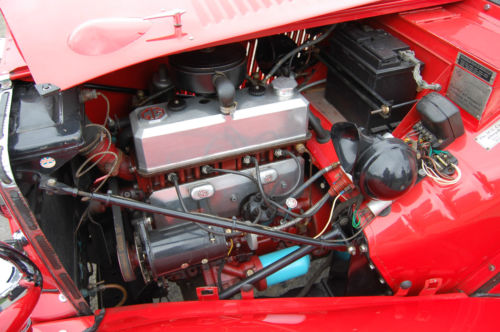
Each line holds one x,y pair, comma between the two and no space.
176,14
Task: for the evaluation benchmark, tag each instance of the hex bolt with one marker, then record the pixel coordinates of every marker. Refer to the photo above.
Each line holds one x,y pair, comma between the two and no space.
363,248
249,272
184,265
381,280
371,266
51,182
351,250
247,160
491,267
405,284
205,169
487,7
204,261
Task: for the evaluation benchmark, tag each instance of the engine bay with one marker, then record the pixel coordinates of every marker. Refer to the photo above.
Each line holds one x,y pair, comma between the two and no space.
206,176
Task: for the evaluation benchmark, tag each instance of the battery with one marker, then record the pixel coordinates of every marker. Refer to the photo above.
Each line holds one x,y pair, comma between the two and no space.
365,72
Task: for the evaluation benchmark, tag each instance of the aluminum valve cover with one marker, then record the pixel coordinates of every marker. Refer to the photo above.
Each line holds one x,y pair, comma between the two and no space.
166,139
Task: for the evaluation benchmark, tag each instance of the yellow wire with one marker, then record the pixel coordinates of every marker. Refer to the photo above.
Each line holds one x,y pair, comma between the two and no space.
230,248
330,217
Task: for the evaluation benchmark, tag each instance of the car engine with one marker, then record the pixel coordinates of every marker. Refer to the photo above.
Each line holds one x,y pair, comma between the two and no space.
201,175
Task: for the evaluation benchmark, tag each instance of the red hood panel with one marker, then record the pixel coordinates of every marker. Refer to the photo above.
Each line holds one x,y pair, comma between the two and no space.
67,42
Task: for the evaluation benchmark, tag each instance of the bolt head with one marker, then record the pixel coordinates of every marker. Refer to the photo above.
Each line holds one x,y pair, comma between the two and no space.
62,298
491,267
291,203
363,248
184,265
249,272
351,250
204,261
51,182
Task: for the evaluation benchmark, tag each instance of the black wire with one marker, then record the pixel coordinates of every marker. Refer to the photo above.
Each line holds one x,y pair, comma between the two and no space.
307,44
299,177
228,171
154,96
207,229
269,201
310,181
219,274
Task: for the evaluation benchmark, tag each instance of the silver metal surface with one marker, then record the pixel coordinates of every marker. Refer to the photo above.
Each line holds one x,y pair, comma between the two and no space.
202,191
490,137
376,206
230,190
284,86
268,176
200,133
469,92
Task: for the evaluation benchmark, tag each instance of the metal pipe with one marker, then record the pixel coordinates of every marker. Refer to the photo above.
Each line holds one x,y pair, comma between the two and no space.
111,88
55,187
274,267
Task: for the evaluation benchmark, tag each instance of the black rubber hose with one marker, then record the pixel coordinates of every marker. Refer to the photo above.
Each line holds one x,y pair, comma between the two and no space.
225,90
322,135
313,178
297,50
111,88
274,267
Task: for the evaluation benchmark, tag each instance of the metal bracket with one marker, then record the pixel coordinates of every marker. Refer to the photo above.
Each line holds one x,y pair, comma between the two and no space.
207,293
176,15
47,89
431,286
5,82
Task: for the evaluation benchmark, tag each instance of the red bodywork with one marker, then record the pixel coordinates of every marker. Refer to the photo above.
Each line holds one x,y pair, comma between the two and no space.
443,240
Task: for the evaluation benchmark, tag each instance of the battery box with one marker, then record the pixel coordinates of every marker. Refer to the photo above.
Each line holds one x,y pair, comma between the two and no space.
366,72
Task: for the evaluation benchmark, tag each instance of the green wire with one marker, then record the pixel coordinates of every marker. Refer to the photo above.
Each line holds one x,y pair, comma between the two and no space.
355,222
